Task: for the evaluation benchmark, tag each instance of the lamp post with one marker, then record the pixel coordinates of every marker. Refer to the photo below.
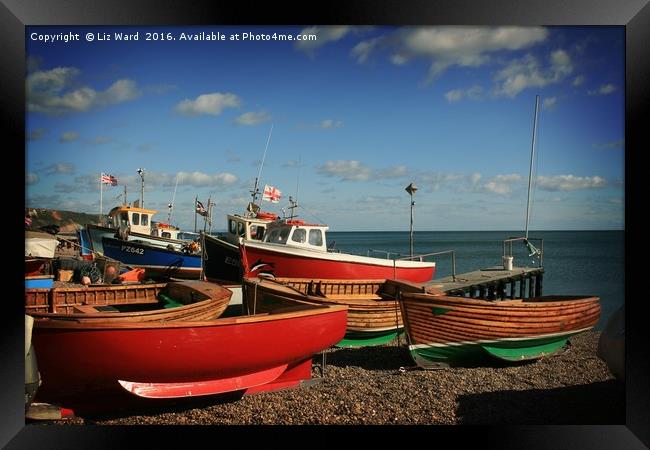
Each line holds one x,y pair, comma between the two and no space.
141,173
411,188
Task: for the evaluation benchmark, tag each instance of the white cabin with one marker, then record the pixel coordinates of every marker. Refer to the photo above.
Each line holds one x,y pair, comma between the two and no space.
297,233
139,219
246,228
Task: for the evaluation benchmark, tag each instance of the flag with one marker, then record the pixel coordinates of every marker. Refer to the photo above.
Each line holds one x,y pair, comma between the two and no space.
108,179
200,209
28,221
271,194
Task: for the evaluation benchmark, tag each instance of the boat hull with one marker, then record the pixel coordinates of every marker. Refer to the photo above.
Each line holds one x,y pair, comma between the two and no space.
96,233
445,331
156,261
209,354
269,259
221,260
374,318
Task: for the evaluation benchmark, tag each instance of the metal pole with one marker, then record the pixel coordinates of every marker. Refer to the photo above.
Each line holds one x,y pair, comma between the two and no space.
532,156
100,198
411,233
196,201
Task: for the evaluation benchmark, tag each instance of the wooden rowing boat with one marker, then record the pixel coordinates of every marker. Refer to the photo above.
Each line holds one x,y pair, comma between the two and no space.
182,358
374,315
192,300
444,330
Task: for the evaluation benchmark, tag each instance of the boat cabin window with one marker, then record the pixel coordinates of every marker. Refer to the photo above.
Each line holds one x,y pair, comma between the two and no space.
316,237
232,226
135,218
145,219
240,229
166,234
124,219
278,236
299,235
257,232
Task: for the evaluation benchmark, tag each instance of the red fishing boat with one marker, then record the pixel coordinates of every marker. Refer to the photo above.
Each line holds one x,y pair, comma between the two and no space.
294,249
172,359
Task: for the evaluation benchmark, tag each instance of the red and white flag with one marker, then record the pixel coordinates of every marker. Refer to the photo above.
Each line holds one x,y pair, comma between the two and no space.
108,179
271,194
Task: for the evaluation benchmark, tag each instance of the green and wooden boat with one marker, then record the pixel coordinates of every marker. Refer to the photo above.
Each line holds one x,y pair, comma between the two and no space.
374,316
447,331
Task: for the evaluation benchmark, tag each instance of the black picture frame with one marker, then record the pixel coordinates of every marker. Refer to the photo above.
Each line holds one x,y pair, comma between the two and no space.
15,15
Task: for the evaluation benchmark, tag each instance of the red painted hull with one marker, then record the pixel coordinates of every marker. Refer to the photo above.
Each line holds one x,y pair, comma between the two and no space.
278,264
211,354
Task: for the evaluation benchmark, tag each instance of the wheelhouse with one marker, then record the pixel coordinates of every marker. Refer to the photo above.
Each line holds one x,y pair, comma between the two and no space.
297,233
246,228
139,219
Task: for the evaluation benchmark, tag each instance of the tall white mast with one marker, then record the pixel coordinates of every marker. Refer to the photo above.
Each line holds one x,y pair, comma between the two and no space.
255,190
532,159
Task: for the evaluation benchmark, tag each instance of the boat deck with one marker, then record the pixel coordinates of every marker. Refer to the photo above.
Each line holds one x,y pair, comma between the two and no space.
493,282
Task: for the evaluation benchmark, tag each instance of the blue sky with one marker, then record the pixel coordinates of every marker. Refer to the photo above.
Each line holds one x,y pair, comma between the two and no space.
357,114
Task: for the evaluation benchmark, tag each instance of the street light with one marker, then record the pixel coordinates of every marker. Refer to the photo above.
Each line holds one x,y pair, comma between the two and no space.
141,173
411,188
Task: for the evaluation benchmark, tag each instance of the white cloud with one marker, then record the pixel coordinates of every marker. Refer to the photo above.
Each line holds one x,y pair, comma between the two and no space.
198,179
51,92
549,102
212,104
253,118
473,93
59,168
363,49
434,181
393,172
604,89
527,72
454,95
325,34
330,123
569,182
610,145
31,178
69,136
502,184
577,81
36,134
446,46
347,170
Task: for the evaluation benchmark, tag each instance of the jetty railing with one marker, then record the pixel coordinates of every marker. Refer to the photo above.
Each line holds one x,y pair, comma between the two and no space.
443,252
540,251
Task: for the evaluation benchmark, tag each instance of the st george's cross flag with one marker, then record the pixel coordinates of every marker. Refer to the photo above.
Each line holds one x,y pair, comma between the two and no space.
271,194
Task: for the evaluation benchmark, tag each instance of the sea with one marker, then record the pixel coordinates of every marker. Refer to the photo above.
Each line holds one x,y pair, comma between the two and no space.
575,262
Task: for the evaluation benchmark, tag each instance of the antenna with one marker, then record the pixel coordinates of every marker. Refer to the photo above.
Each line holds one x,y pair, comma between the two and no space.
171,205
255,190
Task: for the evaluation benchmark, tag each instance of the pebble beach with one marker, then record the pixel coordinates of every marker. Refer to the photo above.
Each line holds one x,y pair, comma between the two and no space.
381,386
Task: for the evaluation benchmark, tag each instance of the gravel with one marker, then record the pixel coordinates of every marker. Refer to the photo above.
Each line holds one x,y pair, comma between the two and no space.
381,385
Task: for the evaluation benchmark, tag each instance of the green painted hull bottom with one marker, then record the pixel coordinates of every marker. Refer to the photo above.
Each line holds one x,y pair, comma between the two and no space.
357,339
522,350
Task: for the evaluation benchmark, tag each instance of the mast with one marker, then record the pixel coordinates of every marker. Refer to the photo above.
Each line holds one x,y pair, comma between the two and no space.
532,158
171,205
255,190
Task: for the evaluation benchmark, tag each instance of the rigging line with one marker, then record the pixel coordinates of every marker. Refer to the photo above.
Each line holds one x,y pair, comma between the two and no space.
259,173
312,214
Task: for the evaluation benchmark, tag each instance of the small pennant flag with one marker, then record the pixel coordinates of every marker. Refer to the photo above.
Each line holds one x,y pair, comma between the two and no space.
200,208
28,221
271,194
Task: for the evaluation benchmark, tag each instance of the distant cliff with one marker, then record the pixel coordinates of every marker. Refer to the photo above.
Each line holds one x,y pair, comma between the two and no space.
67,221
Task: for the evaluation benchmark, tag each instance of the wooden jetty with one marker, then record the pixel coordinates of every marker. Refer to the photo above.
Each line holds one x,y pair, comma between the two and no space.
493,283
